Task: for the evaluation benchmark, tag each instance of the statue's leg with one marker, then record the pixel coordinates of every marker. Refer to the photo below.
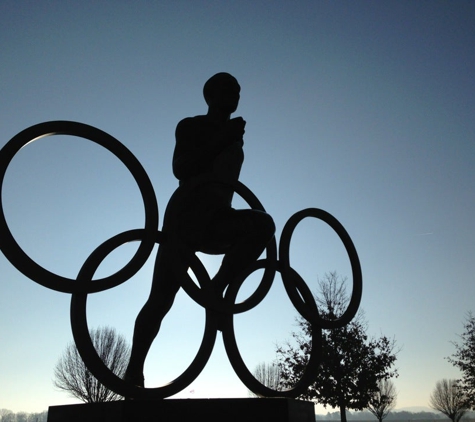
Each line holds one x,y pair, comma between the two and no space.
248,232
148,322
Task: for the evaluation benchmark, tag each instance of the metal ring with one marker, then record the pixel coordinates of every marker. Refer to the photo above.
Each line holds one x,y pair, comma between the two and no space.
88,352
250,381
30,268
290,277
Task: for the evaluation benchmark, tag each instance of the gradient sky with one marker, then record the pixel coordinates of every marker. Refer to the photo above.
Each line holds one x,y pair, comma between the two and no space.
365,109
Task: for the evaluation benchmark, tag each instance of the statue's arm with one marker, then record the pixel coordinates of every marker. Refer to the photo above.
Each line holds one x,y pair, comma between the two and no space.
228,163
189,158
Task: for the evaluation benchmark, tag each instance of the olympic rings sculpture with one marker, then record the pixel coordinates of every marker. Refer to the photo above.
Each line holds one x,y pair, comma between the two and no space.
298,291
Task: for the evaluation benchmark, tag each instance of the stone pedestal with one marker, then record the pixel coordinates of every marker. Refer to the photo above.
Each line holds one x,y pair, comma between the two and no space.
184,410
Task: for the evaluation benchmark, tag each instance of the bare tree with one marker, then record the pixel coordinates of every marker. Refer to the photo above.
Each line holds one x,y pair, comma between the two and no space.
268,375
383,400
72,376
449,398
7,415
22,417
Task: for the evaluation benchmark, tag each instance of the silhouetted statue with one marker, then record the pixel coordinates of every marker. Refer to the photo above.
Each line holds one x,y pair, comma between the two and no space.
202,218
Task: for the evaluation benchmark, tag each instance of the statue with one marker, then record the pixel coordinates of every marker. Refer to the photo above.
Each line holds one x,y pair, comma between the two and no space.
207,162
203,218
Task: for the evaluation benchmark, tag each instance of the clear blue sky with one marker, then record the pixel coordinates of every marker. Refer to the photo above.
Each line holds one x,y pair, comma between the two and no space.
365,109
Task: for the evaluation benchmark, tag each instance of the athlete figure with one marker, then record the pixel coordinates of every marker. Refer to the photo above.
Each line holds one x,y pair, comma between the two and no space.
203,218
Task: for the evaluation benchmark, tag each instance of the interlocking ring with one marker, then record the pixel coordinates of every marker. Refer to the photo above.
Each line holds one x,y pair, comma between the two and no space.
88,352
248,378
23,263
296,288
294,284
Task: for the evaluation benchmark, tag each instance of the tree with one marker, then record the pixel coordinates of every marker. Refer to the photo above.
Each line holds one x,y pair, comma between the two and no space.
268,375
6,415
351,365
464,359
22,417
383,400
449,398
71,374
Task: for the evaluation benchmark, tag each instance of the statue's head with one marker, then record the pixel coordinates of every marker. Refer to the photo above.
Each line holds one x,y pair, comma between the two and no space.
222,91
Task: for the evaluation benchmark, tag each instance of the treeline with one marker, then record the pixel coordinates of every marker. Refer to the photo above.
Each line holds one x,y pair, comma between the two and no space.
399,416
9,416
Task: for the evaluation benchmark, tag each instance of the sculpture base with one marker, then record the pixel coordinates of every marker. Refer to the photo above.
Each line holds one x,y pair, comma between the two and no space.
179,410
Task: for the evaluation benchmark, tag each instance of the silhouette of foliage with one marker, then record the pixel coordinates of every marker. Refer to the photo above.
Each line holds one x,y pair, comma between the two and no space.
352,363
383,400
464,359
449,398
72,376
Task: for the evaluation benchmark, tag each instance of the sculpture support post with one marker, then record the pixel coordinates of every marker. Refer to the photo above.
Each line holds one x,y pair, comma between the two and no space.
179,410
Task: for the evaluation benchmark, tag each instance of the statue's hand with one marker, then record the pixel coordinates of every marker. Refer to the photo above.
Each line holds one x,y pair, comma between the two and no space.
235,128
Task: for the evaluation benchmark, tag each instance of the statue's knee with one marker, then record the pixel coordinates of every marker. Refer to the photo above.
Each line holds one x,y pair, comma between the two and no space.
265,226
270,226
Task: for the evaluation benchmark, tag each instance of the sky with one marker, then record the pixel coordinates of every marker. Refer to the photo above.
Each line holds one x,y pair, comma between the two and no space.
364,109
